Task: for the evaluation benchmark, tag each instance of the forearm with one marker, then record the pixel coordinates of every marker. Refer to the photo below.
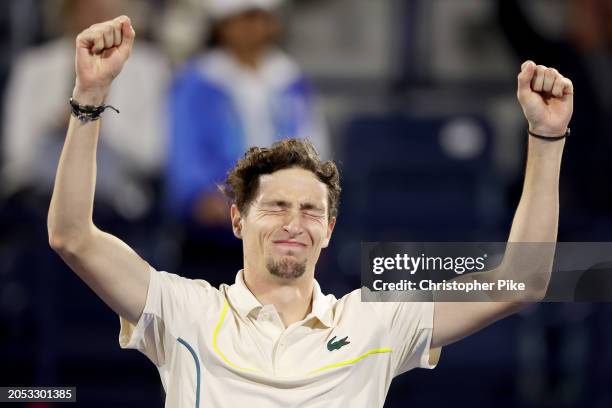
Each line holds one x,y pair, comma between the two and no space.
536,218
531,245
530,250
71,209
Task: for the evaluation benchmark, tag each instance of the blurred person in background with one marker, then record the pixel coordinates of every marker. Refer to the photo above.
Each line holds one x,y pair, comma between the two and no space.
242,91
36,114
584,53
34,318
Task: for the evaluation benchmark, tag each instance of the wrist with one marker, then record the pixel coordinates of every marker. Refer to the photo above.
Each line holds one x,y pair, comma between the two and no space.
548,130
539,148
89,96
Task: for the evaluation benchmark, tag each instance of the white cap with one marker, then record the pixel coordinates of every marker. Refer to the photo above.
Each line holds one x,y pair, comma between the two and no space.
220,9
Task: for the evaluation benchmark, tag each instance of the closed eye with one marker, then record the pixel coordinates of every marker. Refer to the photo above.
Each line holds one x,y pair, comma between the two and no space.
312,210
275,206
280,206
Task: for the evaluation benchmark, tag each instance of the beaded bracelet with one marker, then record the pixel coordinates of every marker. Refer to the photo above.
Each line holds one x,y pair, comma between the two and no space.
88,113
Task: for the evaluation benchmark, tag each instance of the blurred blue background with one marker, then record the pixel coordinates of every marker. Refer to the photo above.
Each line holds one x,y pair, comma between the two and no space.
414,99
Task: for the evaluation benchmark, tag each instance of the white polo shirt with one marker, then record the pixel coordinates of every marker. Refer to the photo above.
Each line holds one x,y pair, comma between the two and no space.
222,348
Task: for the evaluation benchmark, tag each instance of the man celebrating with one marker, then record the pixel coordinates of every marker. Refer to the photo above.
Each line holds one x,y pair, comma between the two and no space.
273,339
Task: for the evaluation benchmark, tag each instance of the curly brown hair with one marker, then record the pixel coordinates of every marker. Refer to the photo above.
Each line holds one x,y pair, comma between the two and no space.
242,181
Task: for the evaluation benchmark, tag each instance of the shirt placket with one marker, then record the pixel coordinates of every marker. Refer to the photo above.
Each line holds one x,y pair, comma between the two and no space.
273,326
286,340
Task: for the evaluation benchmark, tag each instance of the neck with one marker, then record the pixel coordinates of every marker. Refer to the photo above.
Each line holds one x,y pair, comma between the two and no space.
291,298
248,58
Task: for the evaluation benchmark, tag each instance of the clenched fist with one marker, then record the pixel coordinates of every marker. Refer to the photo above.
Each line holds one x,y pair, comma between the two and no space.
101,51
547,99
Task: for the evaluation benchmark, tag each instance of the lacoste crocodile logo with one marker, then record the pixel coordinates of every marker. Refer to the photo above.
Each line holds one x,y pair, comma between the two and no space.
336,345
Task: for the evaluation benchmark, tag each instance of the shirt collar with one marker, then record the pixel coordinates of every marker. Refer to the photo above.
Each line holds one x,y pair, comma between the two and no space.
321,305
245,302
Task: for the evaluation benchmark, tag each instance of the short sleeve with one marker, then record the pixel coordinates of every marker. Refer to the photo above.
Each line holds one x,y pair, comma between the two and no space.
170,299
410,327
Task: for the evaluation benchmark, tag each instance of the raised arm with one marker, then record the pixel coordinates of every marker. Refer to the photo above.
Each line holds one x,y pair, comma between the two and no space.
547,101
106,264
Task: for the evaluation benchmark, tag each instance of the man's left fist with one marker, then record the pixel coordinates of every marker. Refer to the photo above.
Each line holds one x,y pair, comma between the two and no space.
547,99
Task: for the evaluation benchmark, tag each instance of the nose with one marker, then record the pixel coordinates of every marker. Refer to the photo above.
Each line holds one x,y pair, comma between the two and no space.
293,224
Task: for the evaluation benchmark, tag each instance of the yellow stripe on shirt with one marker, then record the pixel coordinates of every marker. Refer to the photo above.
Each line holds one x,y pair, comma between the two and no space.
216,347
351,361
318,370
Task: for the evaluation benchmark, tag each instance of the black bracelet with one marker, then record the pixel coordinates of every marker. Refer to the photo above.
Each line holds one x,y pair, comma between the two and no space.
88,113
550,138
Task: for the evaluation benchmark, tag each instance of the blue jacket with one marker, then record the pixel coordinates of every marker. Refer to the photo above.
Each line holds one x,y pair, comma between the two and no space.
209,121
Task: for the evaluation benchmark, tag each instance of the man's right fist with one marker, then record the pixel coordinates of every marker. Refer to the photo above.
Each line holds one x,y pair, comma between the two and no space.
101,51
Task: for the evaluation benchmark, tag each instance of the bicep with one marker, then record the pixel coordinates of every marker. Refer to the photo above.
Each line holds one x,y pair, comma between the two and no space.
455,320
117,274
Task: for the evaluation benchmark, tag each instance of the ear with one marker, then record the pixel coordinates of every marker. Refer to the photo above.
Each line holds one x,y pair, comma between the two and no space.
330,229
236,221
